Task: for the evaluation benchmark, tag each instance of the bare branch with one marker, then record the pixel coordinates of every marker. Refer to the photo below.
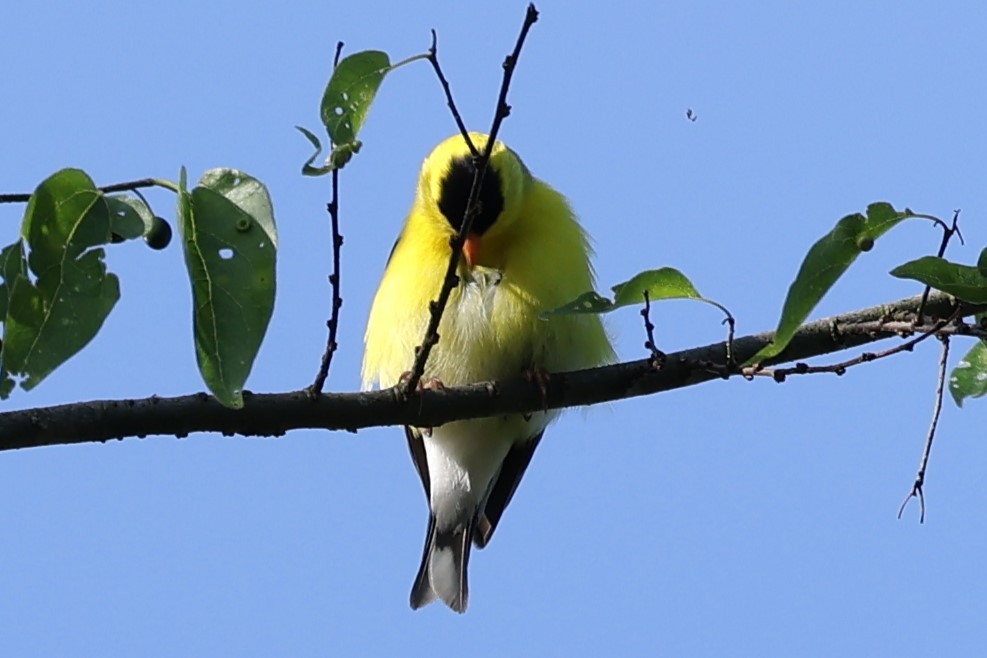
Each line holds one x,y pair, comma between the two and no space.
337,301
918,487
274,414
657,356
108,189
433,58
780,374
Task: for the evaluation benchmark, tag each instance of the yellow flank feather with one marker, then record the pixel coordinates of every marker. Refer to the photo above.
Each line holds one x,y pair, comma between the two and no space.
525,255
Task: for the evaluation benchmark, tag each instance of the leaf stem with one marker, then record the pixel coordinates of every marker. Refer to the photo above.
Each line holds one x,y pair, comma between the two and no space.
409,60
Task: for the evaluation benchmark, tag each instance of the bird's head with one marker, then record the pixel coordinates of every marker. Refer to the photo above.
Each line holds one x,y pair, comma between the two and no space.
444,187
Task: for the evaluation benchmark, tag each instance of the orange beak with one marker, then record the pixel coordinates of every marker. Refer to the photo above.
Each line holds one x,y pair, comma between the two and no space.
471,249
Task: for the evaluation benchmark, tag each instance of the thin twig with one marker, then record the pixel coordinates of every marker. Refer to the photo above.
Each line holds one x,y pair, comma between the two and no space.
729,366
108,189
434,59
337,301
731,328
947,234
510,62
918,488
780,374
657,356
437,307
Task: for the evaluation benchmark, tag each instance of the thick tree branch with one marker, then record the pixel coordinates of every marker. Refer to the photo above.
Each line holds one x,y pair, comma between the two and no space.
273,414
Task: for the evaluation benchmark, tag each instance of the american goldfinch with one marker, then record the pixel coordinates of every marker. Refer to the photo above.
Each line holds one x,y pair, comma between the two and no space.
525,254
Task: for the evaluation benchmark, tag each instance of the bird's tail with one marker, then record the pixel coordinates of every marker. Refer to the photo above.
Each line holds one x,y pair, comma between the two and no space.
443,570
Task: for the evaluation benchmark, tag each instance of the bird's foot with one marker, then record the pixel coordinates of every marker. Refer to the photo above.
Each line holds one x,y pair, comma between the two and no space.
432,383
540,378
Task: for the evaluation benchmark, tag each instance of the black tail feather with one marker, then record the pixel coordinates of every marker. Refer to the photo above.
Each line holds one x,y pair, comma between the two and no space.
442,573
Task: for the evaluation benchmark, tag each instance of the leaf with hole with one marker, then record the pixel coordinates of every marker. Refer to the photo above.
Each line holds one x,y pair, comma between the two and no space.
961,281
824,264
50,318
969,377
350,93
13,266
588,302
130,217
230,244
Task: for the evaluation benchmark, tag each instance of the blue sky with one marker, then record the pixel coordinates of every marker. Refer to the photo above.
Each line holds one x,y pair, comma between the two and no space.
732,518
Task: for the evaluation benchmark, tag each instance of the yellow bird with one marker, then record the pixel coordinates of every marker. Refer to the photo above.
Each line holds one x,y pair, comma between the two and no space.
525,254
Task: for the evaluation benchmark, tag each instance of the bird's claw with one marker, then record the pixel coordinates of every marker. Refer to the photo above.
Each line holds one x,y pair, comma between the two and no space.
540,378
432,383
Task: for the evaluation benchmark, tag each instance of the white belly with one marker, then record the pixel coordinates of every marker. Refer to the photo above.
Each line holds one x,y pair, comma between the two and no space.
464,457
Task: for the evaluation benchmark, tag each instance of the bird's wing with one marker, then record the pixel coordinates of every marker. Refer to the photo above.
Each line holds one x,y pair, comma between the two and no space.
511,472
416,444
394,248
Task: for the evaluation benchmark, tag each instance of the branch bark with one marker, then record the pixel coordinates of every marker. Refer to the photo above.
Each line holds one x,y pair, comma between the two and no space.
274,414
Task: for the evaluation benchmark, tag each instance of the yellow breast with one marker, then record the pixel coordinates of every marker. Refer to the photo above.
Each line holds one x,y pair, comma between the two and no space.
534,258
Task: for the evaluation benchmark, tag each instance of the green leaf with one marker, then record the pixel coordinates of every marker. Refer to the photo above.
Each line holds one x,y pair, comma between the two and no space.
342,154
13,265
308,169
664,283
588,302
130,217
982,263
969,377
230,244
337,159
962,281
825,263
49,320
350,93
